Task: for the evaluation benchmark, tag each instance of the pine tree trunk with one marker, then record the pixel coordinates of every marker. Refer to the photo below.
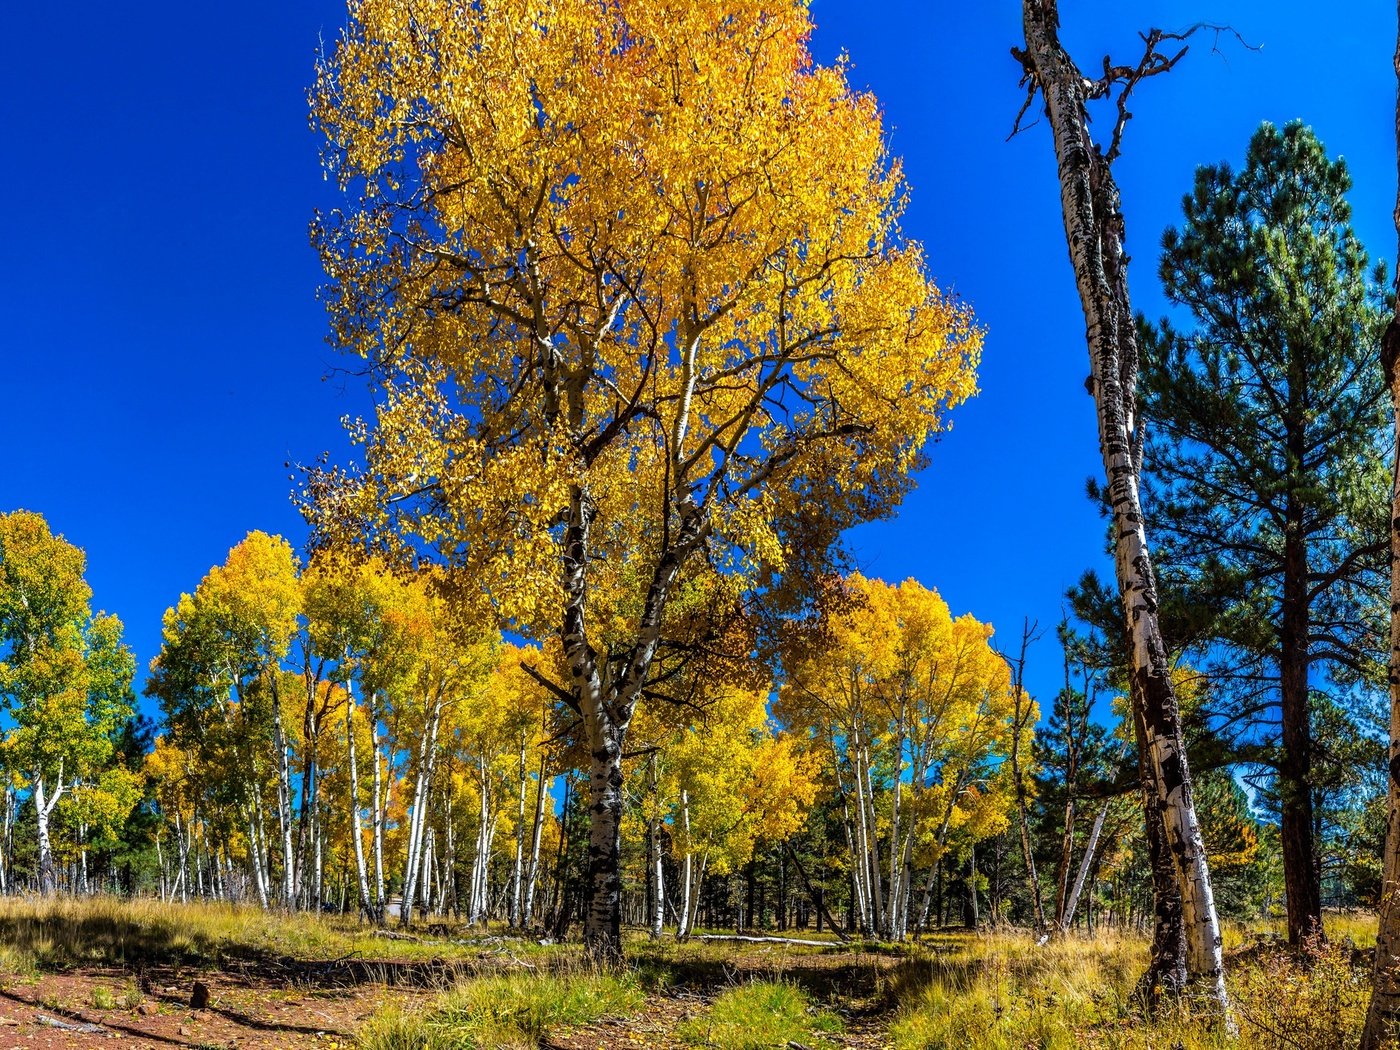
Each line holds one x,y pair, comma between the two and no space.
1300,875
1094,232
1383,1015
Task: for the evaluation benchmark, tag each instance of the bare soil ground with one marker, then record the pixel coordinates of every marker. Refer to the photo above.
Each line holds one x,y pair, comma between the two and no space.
245,1010
284,1005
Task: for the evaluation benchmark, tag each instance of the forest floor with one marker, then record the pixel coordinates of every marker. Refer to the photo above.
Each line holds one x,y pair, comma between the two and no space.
90,973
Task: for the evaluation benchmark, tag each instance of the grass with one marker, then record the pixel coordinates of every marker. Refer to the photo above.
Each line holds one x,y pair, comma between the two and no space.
759,1016
991,991
59,932
1001,992
505,1012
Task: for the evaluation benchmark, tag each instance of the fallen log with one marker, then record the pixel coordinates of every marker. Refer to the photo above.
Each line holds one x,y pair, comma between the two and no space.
69,1026
748,938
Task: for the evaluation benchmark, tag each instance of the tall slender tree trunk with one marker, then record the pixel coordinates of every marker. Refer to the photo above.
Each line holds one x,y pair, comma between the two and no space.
517,875
1020,716
256,860
284,797
1383,1015
1066,855
533,871
1300,874
380,804
43,810
9,814
658,884
1166,975
687,869
1085,863
367,903
896,857
427,758
859,909
1094,231
974,915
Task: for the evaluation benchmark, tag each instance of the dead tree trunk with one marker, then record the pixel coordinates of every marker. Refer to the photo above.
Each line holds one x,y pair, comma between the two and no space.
1094,231
1022,717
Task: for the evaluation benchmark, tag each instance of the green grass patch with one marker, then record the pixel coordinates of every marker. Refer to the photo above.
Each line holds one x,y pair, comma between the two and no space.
512,1012
759,1016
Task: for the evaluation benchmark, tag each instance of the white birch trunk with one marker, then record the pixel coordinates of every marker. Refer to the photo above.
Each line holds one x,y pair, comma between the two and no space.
367,903
259,873
896,856
532,876
380,806
427,756
1085,863
284,798
1094,228
658,885
517,874
43,810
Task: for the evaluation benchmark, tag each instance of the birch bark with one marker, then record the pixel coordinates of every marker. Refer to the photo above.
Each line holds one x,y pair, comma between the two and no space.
367,903
284,797
517,875
1094,230
43,810
532,872
427,760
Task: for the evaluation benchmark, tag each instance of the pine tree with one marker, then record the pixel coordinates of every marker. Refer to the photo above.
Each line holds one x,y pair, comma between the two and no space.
1264,462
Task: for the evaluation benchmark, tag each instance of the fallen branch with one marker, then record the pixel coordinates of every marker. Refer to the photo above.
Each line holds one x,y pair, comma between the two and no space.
393,936
69,1026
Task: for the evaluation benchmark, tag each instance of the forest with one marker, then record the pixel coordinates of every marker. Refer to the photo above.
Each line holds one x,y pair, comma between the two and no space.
572,716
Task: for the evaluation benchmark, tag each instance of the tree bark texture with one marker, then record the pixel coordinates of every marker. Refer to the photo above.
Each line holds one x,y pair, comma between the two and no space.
1094,231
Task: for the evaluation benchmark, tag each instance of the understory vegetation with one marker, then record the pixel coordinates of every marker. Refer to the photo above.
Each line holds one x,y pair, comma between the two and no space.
998,990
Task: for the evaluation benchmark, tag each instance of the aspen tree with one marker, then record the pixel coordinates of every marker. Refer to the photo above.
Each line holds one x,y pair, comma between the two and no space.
914,712
1094,232
630,280
65,674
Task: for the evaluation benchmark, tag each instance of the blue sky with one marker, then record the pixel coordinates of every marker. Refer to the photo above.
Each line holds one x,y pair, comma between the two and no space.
162,351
